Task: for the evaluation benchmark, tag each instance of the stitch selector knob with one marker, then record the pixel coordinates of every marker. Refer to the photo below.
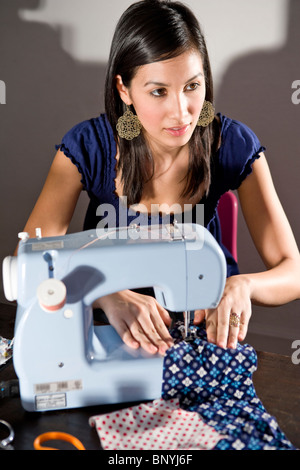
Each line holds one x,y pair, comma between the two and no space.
52,295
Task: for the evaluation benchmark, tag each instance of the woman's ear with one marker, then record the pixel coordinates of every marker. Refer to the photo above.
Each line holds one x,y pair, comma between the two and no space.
123,90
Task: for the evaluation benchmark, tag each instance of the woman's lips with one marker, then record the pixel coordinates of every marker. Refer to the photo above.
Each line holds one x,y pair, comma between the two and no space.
178,131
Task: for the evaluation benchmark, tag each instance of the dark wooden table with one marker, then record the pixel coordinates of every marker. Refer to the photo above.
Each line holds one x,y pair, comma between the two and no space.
277,383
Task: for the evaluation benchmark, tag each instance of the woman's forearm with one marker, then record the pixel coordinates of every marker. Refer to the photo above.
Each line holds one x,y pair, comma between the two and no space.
276,286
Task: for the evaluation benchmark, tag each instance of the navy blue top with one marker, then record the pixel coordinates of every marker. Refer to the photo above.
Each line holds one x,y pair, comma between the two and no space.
91,147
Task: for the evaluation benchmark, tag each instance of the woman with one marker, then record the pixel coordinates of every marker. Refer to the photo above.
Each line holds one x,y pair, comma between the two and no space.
161,143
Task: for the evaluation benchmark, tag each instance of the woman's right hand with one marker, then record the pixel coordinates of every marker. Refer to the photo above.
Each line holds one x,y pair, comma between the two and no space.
139,320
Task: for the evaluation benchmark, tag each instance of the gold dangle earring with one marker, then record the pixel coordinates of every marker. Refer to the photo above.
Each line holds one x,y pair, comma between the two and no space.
128,125
207,114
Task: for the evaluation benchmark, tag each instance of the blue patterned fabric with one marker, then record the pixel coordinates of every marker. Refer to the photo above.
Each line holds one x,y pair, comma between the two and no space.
217,383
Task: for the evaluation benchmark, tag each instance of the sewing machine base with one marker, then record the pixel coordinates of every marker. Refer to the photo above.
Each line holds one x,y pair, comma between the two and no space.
126,375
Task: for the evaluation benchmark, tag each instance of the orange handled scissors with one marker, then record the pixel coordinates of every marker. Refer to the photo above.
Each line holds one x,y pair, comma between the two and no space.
53,436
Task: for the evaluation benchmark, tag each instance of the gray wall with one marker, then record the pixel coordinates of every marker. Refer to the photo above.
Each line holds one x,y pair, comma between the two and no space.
53,55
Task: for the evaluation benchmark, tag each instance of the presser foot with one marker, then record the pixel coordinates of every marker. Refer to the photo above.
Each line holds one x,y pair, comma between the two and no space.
184,322
189,331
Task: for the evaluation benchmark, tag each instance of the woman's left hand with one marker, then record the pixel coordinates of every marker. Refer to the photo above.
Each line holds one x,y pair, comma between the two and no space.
228,323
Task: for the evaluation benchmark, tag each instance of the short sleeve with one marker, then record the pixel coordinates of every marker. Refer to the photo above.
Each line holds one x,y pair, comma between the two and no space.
240,148
82,144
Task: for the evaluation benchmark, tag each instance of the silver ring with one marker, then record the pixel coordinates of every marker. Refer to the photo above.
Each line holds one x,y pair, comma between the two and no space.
5,443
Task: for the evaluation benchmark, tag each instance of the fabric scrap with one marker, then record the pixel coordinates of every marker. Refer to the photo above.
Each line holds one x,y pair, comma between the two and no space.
155,425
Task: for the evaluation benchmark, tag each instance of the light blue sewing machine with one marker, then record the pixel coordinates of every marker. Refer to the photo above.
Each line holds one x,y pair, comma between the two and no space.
61,358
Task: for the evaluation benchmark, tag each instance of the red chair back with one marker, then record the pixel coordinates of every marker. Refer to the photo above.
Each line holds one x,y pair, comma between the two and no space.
228,215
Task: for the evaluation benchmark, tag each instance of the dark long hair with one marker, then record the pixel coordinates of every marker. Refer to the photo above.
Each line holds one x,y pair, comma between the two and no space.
147,32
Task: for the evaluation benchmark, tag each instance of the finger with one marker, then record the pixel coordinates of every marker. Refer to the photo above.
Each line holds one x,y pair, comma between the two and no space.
243,327
161,331
155,332
199,316
135,327
164,314
154,323
234,328
125,334
211,326
223,328
145,342
132,333
138,330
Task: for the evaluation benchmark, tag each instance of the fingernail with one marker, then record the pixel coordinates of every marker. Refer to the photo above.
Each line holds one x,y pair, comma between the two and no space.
164,349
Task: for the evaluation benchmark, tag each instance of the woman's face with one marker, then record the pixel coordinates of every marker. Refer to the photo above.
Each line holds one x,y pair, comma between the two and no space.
168,97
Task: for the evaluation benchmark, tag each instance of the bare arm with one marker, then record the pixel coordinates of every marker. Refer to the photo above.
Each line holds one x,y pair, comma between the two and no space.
273,238
55,206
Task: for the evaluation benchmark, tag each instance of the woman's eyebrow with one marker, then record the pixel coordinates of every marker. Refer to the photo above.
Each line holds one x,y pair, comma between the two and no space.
160,84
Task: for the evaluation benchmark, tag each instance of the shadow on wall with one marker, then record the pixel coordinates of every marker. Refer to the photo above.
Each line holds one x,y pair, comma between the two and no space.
47,92
257,90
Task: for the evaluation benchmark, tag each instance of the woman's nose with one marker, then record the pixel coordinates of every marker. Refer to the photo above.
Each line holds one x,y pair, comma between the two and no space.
179,108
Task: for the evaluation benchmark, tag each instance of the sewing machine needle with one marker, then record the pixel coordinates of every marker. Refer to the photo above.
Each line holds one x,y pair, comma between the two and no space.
186,323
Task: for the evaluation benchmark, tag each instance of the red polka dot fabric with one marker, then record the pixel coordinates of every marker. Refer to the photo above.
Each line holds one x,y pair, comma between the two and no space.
156,425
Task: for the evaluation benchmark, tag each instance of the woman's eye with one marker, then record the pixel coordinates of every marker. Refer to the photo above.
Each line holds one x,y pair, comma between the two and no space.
158,92
192,86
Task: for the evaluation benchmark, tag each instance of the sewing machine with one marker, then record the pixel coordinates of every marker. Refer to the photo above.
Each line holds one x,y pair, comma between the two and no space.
61,358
